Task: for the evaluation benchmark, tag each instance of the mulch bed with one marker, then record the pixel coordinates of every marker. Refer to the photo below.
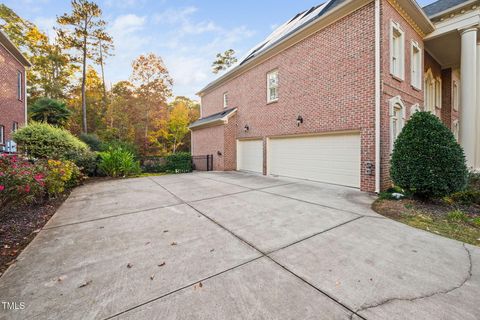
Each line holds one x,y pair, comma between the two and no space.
19,226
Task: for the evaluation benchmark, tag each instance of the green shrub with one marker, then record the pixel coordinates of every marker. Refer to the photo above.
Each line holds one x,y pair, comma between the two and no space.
178,162
44,141
426,160
118,144
474,180
466,197
456,216
86,161
153,164
118,162
92,141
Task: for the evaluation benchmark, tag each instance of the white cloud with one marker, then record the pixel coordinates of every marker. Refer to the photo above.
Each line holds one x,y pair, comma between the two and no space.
182,17
127,24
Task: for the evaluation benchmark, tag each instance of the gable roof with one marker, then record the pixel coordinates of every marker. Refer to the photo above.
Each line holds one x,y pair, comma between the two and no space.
303,25
441,5
297,22
13,50
214,119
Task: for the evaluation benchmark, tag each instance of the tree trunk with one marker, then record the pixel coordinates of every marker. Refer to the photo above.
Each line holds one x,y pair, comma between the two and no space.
84,81
103,76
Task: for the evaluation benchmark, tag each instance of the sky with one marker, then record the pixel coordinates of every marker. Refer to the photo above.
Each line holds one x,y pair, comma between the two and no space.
187,34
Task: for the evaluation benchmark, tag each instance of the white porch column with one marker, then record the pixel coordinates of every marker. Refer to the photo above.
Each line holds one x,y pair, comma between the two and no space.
477,142
468,96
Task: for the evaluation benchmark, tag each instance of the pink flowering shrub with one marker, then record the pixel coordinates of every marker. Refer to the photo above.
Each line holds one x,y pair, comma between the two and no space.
20,181
23,182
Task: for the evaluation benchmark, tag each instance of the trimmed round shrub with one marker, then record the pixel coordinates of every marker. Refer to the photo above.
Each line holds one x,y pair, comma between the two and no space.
427,161
42,141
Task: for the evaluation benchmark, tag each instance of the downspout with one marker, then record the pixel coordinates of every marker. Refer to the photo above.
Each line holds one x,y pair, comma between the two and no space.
377,95
25,93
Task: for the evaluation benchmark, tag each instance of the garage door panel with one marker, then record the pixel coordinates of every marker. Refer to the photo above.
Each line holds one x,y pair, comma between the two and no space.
250,155
326,158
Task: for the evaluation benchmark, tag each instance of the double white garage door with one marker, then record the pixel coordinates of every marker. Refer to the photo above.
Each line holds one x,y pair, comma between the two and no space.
325,158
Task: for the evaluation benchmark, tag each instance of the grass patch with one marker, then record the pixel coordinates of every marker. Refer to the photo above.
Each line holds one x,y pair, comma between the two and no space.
448,221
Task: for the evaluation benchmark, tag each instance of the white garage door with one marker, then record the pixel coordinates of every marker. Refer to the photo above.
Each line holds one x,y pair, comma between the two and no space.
250,155
326,158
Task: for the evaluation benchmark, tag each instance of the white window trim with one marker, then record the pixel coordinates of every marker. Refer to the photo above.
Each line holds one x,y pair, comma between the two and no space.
429,92
225,100
19,85
394,26
438,93
2,134
414,109
393,103
268,86
455,95
456,129
416,80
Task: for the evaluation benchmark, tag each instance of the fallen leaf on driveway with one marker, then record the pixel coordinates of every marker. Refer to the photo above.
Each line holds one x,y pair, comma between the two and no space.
212,250
129,265
200,284
165,231
147,243
161,264
152,276
85,284
173,243
61,278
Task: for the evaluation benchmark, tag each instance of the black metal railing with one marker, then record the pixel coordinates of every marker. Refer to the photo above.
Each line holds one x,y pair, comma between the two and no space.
203,163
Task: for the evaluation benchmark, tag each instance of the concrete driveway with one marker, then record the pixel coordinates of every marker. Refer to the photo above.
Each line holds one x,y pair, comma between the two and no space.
236,246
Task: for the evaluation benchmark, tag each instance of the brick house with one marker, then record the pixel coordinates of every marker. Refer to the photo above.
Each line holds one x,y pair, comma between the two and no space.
13,98
325,95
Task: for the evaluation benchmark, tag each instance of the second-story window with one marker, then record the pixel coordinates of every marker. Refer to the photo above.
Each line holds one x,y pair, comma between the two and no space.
19,85
397,51
416,66
225,100
272,86
14,126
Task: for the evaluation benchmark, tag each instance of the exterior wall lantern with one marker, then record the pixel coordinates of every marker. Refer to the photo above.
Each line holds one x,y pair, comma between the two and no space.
246,128
299,120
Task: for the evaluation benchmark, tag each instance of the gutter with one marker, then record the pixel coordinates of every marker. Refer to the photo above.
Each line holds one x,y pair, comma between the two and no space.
377,95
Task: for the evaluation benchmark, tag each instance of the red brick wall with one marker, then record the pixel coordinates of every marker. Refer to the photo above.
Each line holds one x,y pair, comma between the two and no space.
392,87
210,141
328,79
230,150
11,109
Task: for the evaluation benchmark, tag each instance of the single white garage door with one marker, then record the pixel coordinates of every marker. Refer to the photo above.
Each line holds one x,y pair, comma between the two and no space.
250,155
326,158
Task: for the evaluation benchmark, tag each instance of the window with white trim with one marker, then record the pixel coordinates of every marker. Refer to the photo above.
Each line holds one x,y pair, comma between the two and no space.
438,93
456,129
272,86
19,85
397,119
397,51
455,95
429,90
225,100
416,66
2,134
15,126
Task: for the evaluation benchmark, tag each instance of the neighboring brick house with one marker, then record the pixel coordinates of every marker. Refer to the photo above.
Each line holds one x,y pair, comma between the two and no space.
13,98
324,97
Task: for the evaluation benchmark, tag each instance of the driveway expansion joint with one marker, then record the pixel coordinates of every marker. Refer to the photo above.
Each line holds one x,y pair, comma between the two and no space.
429,295
266,255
